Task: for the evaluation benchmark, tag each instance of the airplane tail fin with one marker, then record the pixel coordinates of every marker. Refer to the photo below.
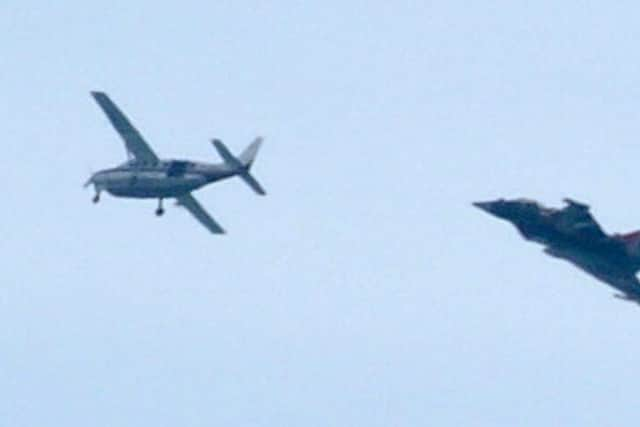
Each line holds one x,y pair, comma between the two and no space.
249,154
242,164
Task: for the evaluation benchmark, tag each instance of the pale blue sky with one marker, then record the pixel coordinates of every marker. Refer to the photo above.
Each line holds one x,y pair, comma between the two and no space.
364,290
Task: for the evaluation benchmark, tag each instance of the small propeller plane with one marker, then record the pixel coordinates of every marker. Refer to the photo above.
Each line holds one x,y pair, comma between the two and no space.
146,176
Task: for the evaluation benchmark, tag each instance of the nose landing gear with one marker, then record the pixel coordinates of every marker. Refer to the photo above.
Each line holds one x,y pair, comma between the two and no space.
96,198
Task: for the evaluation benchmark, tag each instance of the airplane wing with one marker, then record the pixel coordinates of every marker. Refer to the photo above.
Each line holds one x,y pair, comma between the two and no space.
199,213
133,141
628,284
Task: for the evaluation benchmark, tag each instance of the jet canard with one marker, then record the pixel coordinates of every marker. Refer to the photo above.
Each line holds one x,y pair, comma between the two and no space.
145,175
571,233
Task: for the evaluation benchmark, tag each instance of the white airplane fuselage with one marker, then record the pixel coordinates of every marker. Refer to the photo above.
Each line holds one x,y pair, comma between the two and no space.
165,179
146,176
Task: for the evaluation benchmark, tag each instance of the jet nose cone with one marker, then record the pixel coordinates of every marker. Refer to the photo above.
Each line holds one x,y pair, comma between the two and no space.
485,206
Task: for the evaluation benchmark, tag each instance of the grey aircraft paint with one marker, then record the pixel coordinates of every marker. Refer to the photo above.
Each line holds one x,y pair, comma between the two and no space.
161,180
147,176
572,234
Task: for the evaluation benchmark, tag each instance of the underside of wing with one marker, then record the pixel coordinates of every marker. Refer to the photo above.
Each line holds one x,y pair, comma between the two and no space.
603,270
627,284
134,143
200,213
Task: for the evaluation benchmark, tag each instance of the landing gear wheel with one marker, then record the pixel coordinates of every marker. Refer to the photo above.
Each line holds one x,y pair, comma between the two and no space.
159,211
96,198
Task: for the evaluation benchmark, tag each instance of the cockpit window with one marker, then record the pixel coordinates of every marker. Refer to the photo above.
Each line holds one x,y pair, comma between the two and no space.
177,168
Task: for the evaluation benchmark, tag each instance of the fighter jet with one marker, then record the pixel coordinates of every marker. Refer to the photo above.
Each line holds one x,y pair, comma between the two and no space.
572,234
145,175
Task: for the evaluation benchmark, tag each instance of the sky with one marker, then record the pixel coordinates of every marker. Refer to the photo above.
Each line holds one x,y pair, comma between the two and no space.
364,289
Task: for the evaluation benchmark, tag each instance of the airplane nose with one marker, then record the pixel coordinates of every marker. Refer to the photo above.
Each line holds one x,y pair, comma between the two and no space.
485,206
95,178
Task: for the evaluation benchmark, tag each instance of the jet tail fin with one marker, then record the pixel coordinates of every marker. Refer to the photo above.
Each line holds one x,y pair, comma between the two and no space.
242,164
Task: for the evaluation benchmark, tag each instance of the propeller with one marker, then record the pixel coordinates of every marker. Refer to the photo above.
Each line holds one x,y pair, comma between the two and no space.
90,180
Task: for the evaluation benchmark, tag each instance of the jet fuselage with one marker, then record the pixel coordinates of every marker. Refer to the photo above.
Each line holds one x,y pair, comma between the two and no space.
573,235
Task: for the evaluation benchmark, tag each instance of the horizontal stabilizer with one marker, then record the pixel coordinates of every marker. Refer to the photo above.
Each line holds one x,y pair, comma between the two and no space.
251,182
226,154
241,165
